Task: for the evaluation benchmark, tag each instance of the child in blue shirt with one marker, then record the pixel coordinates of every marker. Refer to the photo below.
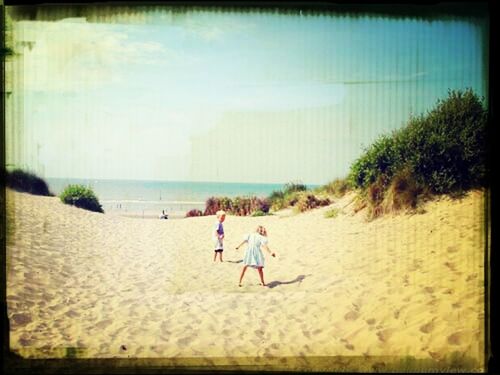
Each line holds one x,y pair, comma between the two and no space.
218,234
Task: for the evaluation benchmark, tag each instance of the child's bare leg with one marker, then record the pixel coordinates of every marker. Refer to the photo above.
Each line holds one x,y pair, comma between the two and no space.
215,255
242,273
261,274
220,255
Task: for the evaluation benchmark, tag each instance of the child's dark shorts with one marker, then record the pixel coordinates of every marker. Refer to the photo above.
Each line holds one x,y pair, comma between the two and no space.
219,250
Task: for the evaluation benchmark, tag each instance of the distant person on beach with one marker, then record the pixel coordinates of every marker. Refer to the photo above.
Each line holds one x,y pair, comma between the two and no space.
253,254
218,234
163,215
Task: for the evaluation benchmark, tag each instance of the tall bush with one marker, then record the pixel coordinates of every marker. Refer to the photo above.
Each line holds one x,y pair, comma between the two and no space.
26,182
82,197
445,150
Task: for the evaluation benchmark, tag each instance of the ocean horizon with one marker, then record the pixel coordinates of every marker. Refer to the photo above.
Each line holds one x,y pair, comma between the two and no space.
149,197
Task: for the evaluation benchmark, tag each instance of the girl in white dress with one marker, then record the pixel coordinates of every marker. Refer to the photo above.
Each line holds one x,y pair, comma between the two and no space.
253,254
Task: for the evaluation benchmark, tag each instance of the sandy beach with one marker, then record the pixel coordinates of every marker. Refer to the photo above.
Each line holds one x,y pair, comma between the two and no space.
107,286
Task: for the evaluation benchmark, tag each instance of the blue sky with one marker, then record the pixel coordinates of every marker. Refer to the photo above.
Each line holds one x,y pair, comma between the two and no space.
230,97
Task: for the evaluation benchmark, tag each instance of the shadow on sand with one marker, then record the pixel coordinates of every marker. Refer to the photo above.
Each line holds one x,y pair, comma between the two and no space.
235,261
298,279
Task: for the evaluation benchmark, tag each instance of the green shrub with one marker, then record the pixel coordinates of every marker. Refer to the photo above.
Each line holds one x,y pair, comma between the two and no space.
450,144
445,149
292,187
276,195
279,199
82,197
337,187
259,213
294,194
292,198
383,157
278,204
332,213
26,182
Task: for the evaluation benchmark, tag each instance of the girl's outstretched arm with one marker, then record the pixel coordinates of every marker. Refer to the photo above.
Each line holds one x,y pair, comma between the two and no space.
237,247
268,250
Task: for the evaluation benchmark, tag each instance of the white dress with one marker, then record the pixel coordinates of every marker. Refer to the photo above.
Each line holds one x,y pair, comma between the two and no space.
253,254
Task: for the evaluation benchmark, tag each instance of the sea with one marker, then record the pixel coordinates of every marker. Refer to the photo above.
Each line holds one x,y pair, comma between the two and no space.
148,199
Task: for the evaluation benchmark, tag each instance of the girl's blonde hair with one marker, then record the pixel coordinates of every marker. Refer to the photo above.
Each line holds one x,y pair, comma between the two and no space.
220,213
261,230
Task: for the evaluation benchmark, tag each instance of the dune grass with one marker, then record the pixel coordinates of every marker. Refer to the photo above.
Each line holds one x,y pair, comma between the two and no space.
239,206
332,213
441,152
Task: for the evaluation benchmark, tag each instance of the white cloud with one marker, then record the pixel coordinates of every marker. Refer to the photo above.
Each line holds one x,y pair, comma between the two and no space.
72,55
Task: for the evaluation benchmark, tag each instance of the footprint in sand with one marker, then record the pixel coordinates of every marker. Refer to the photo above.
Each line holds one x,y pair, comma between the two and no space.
26,341
349,346
103,323
429,289
384,335
72,314
259,332
406,280
351,315
21,319
371,321
184,341
452,249
427,328
432,302
57,307
471,277
450,265
435,355
455,338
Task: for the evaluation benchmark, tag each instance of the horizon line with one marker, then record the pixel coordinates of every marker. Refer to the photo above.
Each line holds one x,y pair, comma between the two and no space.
197,181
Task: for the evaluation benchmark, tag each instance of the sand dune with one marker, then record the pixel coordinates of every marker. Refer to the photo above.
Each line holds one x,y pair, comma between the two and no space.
109,286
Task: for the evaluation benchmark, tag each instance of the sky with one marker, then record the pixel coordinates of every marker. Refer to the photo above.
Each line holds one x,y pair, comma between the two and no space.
225,96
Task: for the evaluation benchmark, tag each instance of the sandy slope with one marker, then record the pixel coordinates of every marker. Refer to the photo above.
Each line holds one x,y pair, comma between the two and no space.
109,286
